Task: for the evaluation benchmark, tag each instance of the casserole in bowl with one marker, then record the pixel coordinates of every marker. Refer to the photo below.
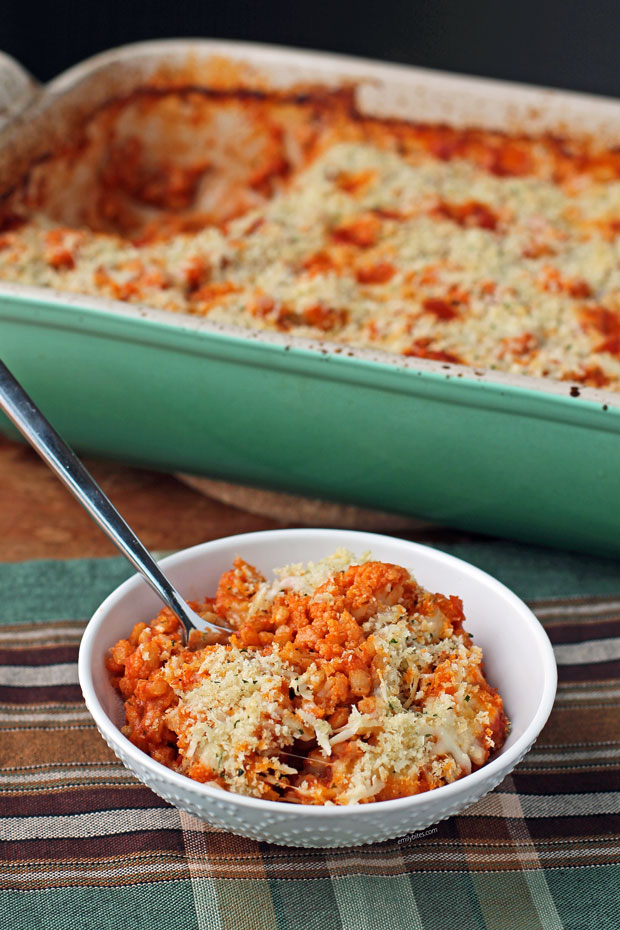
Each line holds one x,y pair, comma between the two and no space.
518,662
529,442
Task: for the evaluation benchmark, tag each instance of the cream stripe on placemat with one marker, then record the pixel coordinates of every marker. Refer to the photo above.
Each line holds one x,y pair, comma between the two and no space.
203,888
60,772
35,676
499,804
97,823
34,718
356,895
586,693
217,906
351,894
575,607
525,853
593,650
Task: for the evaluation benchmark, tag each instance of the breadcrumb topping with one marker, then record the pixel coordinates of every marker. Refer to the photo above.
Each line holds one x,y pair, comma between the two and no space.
343,682
462,246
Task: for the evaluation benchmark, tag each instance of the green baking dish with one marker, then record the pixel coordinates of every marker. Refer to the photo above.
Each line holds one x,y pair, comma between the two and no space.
512,456
492,457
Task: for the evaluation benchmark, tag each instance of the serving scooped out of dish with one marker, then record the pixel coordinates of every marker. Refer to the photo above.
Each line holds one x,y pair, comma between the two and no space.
344,681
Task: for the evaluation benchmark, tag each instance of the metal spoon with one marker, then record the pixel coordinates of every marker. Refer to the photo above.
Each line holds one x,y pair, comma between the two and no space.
31,423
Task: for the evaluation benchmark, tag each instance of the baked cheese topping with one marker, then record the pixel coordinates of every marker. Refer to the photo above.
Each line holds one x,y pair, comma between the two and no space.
344,682
302,216
418,256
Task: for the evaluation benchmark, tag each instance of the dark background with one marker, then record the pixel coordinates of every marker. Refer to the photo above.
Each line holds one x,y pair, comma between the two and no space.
559,43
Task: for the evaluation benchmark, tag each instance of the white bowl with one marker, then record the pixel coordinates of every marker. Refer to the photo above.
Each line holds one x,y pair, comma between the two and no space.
518,656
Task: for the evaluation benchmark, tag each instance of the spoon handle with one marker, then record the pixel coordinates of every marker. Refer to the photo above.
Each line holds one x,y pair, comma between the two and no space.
31,423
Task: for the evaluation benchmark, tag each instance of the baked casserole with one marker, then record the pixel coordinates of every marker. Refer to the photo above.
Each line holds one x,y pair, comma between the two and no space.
343,682
294,212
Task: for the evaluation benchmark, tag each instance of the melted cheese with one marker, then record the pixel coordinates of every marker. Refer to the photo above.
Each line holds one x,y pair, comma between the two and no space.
432,258
241,712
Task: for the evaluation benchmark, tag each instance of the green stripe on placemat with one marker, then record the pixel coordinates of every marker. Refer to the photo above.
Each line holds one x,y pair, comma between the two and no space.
84,846
51,590
73,589
532,571
166,906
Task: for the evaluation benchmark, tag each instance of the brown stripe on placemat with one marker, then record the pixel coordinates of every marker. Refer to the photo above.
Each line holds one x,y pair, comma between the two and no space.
577,828
44,633
583,724
33,695
89,848
38,655
91,800
598,673
555,830
576,782
562,632
53,746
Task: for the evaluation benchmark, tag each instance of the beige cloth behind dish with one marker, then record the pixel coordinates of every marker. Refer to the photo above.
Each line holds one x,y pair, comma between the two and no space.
302,511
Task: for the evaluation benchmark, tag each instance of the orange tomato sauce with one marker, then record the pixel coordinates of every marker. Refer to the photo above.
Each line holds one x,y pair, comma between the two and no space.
364,658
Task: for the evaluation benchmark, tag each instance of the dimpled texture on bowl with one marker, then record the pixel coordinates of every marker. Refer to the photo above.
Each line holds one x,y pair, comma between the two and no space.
518,661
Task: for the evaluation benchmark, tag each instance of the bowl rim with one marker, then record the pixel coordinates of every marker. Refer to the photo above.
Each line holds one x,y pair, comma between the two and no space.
498,766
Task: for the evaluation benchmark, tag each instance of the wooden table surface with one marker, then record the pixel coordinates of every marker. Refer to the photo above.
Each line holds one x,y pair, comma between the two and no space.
39,519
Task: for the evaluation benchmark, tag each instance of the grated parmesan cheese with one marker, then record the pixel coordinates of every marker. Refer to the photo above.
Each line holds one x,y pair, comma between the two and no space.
373,692
432,258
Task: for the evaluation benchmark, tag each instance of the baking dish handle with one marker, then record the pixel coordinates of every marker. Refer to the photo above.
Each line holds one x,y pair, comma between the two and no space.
18,88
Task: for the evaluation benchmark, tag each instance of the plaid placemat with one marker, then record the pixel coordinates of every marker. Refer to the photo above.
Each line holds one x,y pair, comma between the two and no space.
84,845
